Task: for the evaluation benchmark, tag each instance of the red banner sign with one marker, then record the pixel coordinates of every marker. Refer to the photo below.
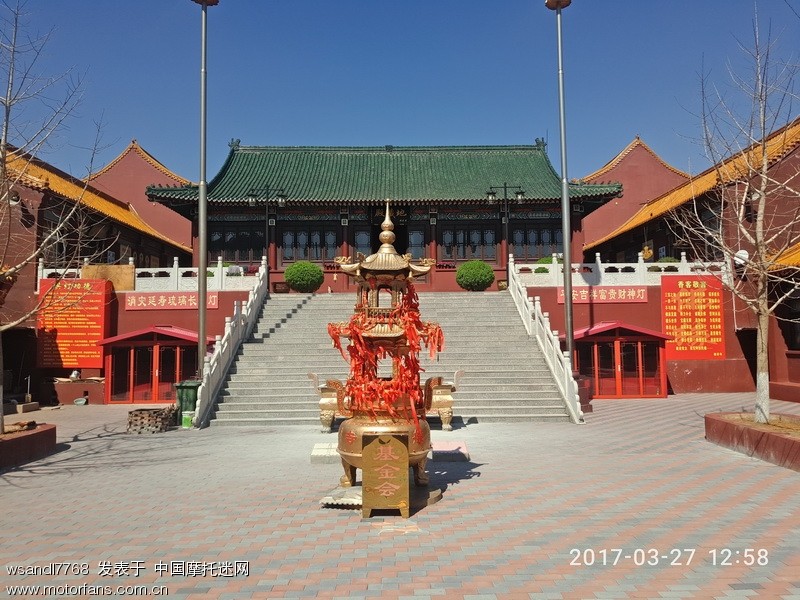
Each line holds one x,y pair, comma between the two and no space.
692,314
606,294
73,318
168,300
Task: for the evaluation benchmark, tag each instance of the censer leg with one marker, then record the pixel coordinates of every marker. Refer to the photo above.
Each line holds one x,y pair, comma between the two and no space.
349,477
421,478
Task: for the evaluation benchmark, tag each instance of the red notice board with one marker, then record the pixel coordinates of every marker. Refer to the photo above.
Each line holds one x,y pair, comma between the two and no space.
692,313
73,318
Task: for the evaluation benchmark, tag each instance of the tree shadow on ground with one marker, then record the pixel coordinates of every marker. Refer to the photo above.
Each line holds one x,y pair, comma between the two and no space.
100,447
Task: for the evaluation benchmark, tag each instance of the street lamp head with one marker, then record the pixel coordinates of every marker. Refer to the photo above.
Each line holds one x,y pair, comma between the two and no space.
281,199
206,2
552,4
491,196
520,195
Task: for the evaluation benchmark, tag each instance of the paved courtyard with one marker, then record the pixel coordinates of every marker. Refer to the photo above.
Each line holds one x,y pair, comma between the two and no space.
634,504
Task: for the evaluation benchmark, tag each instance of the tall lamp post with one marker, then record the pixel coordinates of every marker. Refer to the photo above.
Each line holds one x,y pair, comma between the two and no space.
202,200
566,228
265,194
491,195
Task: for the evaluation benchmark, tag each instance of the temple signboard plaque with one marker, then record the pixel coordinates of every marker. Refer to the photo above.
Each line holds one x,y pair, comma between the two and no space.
385,474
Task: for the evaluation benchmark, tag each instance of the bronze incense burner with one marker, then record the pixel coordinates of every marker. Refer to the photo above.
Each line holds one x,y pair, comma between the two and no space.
384,330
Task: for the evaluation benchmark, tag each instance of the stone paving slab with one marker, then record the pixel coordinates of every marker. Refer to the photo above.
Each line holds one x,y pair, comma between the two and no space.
634,504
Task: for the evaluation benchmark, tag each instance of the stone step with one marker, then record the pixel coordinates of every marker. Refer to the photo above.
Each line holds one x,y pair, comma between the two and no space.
270,375
271,413
474,386
256,422
505,378
310,402
244,421
490,335
449,356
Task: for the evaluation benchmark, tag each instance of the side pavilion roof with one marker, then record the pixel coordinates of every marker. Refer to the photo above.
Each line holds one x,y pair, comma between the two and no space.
353,175
36,174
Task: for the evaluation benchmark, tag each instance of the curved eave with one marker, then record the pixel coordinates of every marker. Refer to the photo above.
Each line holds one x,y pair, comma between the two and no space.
172,198
790,259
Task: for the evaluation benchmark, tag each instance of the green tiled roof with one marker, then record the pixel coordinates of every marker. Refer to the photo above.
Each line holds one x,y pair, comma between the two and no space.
372,174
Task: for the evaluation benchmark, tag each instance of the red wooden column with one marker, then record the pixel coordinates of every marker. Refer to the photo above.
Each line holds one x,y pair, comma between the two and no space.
432,252
107,364
272,251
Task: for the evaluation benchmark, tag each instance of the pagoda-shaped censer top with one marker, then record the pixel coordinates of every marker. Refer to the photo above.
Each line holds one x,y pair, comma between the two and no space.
386,261
386,294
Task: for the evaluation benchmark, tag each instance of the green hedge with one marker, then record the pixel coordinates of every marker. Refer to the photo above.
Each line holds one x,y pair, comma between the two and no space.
475,275
304,276
548,260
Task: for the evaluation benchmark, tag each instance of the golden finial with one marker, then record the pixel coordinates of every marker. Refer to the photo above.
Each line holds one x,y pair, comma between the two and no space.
387,235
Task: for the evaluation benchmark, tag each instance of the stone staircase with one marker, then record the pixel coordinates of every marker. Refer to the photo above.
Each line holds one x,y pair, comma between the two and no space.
505,378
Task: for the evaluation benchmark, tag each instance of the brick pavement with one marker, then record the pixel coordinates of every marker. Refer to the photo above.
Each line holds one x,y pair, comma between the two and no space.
638,475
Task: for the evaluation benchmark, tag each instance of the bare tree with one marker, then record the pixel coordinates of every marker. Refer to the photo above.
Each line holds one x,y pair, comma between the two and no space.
34,109
747,211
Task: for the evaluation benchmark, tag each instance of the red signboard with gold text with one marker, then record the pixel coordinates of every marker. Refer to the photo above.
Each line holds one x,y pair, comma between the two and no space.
73,318
168,300
692,313
605,294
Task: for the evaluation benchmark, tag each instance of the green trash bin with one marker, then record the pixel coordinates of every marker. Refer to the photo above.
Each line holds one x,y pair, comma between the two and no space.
186,391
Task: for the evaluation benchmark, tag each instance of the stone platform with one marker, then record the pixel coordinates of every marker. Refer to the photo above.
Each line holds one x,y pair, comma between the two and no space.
342,497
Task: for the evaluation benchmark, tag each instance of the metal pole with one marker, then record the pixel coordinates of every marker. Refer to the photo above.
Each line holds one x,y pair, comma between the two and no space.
566,224
505,227
266,237
202,204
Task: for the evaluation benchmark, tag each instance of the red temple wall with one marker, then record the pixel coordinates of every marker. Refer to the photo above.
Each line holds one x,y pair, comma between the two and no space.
133,320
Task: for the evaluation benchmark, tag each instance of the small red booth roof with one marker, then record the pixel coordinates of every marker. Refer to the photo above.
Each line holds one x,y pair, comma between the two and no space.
605,326
156,332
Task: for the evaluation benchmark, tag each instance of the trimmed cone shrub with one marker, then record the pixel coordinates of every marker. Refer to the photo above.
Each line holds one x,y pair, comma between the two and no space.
475,275
304,276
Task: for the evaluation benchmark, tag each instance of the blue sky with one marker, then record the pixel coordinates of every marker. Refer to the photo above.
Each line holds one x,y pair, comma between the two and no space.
417,72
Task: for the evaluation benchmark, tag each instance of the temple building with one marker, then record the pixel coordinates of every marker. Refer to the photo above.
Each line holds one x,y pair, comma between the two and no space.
449,203
54,224
712,195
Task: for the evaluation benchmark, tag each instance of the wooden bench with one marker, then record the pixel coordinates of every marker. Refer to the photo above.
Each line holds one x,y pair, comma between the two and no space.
437,393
